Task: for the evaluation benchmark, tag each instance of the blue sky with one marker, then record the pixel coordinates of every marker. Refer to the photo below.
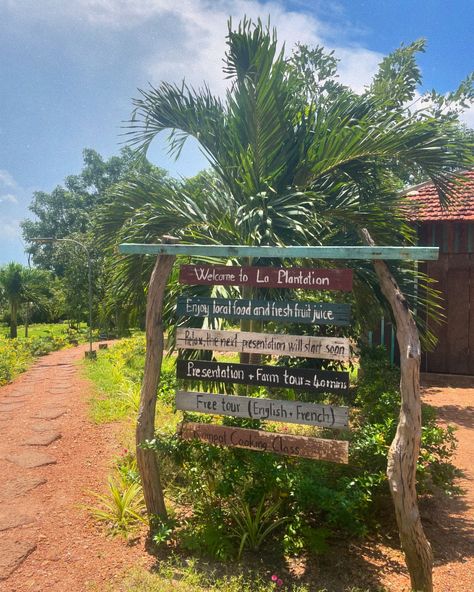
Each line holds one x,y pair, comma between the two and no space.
69,69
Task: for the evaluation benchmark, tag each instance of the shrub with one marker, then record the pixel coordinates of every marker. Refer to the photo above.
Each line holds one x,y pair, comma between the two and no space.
213,489
312,499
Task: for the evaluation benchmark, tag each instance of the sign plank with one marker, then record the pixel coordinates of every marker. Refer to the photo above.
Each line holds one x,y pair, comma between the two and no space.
267,277
328,348
326,416
319,381
292,252
316,313
302,446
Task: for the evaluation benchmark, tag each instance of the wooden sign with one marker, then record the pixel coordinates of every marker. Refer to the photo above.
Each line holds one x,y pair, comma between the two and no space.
319,381
302,446
329,348
267,277
316,313
314,414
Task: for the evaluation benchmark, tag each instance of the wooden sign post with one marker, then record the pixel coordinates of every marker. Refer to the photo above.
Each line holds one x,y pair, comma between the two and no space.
318,381
302,446
314,313
328,348
325,416
404,450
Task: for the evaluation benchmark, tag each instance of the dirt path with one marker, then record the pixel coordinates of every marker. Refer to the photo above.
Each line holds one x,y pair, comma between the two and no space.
450,522
50,455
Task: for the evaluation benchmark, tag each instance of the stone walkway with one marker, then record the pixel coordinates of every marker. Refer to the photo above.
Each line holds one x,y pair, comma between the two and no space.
30,414
51,457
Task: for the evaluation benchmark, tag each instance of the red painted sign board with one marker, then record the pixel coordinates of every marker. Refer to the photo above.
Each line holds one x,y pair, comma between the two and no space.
267,277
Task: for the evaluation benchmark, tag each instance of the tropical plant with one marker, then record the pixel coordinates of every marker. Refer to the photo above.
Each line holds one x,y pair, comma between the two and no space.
20,284
253,525
288,166
12,287
121,508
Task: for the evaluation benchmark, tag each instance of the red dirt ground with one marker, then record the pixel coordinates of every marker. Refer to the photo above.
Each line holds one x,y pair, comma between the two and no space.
51,455
47,541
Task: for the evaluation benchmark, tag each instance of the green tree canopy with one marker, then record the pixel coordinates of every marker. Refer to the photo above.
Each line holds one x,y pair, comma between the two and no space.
69,211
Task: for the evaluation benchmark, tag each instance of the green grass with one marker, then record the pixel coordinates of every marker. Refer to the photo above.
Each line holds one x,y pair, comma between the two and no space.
41,330
117,374
16,355
172,576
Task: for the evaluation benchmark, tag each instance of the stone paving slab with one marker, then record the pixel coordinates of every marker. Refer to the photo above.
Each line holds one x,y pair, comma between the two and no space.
31,459
43,438
20,486
14,552
44,426
14,519
49,413
5,407
9,399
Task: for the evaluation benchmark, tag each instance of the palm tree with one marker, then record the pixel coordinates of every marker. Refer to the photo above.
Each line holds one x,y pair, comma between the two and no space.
19,285
12,286
288,166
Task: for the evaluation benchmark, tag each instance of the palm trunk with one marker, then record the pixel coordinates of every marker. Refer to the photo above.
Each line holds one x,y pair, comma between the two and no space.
13,319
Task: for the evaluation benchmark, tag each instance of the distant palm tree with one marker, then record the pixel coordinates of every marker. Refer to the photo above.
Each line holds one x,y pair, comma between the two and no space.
11,282
19,284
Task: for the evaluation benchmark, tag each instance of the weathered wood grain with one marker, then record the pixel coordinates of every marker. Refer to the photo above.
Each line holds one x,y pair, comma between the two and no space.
320,381
147,459
327,416
315,313
267,277
328,348
302,446
405,448
352,252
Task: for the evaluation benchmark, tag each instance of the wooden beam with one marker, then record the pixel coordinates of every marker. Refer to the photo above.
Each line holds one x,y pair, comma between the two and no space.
314,414
327,348
147,459
227,251
405,448
302,446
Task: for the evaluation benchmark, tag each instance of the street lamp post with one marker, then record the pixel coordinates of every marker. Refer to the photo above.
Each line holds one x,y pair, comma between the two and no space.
89,268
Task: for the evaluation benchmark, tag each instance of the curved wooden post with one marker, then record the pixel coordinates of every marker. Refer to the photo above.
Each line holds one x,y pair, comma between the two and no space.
146,459
405,448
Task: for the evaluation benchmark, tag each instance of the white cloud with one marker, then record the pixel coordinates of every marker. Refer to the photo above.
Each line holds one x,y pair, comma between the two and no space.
13,206
357,66
190,34
8,198
7,180
468,117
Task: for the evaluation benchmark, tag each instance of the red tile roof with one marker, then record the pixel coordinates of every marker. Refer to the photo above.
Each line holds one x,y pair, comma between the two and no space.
425,205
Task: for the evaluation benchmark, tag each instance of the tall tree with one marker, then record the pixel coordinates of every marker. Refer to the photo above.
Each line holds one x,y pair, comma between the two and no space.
296,157
69,211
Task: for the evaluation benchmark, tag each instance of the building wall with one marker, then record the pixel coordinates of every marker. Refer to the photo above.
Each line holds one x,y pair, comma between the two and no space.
454,273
